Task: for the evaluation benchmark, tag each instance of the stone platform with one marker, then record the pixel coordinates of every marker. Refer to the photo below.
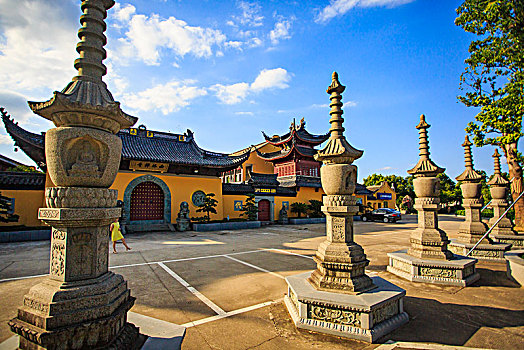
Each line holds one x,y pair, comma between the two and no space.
367,316
516,241
459,271
491,252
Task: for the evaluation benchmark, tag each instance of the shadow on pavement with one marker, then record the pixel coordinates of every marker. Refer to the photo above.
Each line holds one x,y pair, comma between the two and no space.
452,324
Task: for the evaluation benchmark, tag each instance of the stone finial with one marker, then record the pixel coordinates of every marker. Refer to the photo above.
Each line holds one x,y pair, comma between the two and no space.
92,40
497,178
469,174
425,166
337,150
87,93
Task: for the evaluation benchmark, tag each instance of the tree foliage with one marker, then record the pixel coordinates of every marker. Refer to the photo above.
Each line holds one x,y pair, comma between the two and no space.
403,185
314,208
25,169
450,193
493,80
208,206
299,208
250,208
494,75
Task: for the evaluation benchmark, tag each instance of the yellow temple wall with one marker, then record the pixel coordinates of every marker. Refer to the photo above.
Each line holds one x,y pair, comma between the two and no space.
259,165
379,203
181,187
27,203
229,209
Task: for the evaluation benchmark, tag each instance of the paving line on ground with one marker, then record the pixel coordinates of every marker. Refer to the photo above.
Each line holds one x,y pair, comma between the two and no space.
392,345
290,253
173,260
195,292
230,313
254,266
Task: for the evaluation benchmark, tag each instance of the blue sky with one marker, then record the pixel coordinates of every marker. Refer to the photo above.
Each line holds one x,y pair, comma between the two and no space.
228,70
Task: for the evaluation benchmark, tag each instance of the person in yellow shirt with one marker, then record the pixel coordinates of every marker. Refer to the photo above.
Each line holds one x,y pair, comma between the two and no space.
116,234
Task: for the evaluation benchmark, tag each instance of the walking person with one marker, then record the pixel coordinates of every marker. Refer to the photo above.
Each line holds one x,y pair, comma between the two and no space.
116,234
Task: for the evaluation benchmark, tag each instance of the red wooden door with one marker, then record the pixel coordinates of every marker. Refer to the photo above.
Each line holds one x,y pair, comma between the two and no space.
263,210
147,202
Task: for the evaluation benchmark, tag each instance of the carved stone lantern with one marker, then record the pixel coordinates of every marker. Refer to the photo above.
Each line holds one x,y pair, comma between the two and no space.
473,228
338,297
428,259
498,187
81,304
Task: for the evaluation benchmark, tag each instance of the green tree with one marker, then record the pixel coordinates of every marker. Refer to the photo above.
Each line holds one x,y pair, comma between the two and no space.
299,208
314,207
450,193
25,169
208,206
250,208
6,209
494,81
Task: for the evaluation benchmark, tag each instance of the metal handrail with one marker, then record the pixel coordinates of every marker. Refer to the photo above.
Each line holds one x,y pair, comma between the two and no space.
496,223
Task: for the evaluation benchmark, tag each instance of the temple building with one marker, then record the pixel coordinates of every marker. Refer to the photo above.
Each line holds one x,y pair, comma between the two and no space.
158,171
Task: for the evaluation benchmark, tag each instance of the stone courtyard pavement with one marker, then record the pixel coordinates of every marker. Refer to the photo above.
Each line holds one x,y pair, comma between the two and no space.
226,289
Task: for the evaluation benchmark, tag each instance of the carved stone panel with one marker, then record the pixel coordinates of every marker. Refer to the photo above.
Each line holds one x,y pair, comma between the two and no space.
385,312
338,227
438,272
333,315
57,259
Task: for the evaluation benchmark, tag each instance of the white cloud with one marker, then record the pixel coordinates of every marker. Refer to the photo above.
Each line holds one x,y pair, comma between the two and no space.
350,104
250,15
340,7
6,140
231,94
271,78
281,30
386,168
267,79
29,60
244,113
123,14
147,36
315,105
168,98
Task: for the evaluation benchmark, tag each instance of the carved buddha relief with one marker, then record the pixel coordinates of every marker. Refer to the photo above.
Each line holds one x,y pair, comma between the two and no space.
86,157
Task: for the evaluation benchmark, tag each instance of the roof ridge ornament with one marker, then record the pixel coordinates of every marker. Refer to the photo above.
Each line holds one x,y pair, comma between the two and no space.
469,174
425,166
337,149
497,178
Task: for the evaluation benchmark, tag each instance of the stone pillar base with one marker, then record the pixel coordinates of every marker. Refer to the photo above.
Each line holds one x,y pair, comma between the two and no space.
367,316
516,241
459,271
88,314
490,252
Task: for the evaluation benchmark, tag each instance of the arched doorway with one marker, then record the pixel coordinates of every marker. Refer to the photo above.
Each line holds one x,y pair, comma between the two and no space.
147,202
263,210
150,193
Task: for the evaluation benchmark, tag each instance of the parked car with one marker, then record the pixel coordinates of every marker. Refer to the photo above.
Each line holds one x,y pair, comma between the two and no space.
382,214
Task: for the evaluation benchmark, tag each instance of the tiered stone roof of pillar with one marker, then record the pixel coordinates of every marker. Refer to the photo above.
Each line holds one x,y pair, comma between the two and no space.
469,174
497,178
337,149
425,166
87,92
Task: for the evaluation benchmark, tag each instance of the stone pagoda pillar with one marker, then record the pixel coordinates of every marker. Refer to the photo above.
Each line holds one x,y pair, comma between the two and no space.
428,258
81,304
503,232
338,297
473,228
